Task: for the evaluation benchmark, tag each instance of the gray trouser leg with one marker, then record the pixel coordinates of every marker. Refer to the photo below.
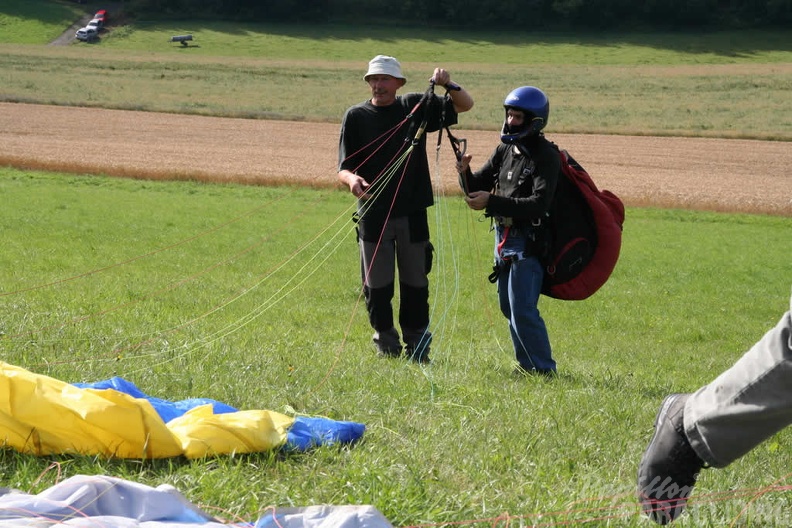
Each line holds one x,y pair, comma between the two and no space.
413,290
378,268
747,403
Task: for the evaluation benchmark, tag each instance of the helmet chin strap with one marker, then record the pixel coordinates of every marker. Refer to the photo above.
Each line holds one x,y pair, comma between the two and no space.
533,128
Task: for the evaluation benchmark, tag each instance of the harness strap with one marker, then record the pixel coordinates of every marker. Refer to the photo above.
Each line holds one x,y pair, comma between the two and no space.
427,96
459,145
503,240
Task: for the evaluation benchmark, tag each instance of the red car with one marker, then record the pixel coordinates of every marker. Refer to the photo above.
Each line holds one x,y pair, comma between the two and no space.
101,15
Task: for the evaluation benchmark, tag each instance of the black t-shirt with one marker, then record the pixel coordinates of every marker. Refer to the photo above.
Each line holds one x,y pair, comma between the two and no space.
372,142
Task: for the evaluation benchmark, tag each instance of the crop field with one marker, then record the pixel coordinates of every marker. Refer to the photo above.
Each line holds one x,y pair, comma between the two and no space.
730,175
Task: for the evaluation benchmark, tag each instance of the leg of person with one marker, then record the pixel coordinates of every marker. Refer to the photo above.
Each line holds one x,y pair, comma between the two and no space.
414,257
378,274
746,404
519,287
718,423
414,321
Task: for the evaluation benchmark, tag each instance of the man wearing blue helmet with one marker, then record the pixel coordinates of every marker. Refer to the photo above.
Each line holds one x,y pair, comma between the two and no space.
515,187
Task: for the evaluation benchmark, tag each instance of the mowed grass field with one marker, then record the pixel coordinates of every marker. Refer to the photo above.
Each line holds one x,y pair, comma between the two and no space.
250,295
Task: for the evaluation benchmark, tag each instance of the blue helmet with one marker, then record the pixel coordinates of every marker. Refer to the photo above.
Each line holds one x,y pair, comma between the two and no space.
536,106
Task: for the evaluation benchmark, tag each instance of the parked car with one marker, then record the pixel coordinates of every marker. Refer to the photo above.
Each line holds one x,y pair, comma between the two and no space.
101,15
95,23
87,34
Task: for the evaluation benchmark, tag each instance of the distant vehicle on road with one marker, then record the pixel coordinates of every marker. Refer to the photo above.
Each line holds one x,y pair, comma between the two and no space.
87,34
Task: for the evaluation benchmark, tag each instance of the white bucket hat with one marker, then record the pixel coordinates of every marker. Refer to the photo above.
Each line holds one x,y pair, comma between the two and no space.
384,65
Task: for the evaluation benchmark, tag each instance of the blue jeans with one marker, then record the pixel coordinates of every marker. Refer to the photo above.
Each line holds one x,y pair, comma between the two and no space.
519,287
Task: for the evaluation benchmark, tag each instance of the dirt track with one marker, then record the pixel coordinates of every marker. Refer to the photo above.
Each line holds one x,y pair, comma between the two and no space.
724,175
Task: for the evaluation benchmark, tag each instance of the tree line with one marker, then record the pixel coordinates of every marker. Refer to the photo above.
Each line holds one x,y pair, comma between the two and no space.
492,14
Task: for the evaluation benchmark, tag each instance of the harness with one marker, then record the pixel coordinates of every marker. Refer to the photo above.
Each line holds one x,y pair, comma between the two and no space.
507,260
532,232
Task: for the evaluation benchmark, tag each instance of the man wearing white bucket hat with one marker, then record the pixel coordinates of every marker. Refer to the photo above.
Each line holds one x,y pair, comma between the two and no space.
383,161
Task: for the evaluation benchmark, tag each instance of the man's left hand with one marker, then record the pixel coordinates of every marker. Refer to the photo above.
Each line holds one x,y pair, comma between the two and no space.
477,200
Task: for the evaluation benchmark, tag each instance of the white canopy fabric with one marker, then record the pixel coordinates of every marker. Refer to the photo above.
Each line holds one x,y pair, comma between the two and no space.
109,502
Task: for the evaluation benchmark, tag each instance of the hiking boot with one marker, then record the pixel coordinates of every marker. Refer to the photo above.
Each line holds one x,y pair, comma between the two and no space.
417,356
387,343
669,466
520,372
389,352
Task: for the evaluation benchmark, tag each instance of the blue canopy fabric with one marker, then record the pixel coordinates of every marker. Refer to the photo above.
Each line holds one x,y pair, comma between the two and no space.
168,410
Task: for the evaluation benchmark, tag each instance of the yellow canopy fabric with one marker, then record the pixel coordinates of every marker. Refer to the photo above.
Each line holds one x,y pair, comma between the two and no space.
43,416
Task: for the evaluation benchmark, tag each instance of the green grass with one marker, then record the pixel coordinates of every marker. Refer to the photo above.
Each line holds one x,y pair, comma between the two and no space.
331,42
420,44
249,295
36,21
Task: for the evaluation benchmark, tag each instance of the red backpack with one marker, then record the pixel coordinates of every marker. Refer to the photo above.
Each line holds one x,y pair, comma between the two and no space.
585,234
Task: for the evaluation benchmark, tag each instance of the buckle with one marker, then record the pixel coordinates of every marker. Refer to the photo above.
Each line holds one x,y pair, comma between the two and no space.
516,257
